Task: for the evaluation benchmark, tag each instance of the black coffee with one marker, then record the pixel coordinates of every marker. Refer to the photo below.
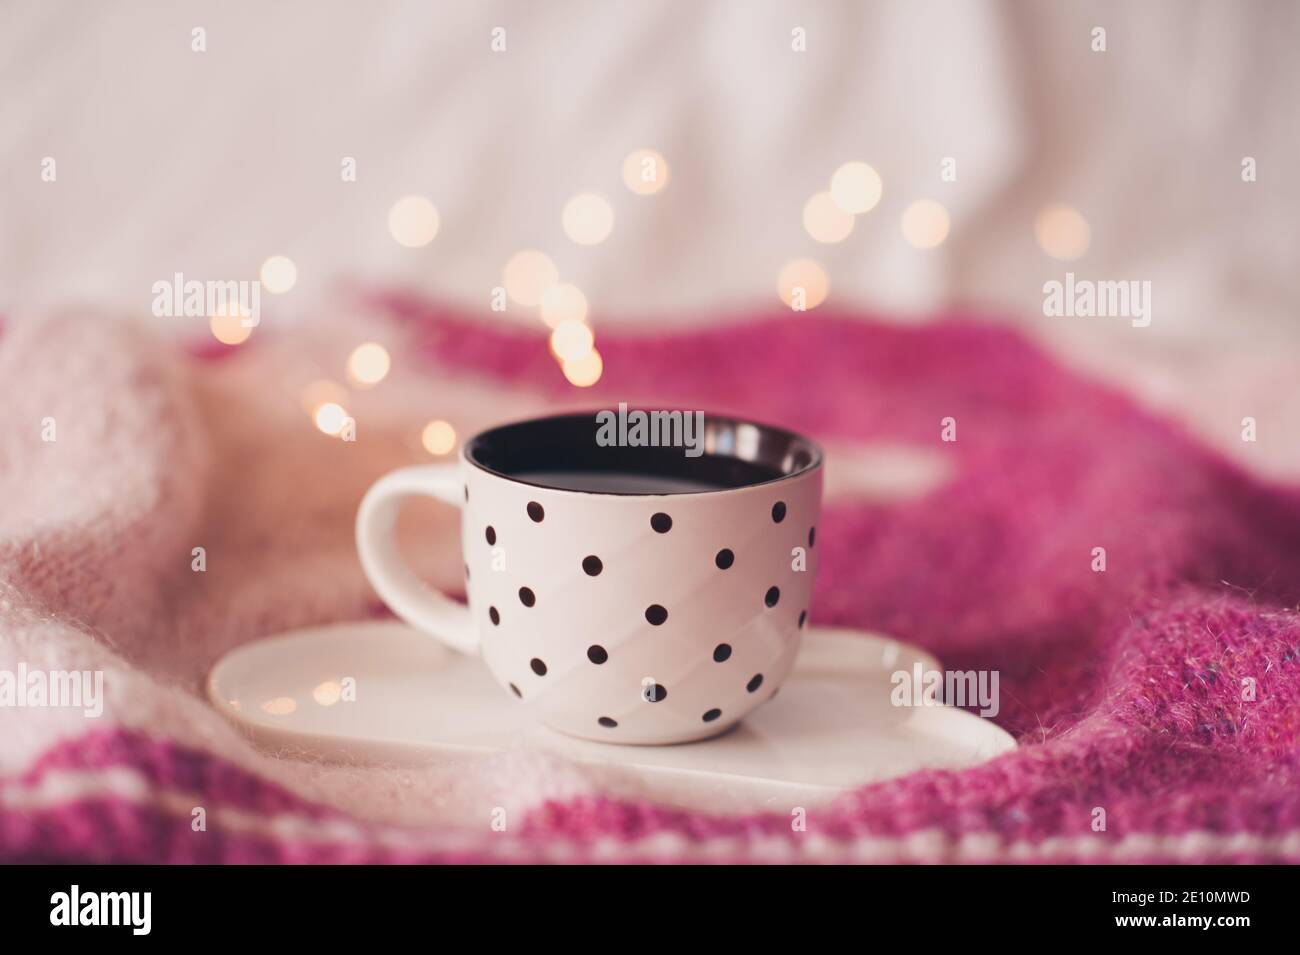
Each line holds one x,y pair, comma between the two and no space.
617,482
564,452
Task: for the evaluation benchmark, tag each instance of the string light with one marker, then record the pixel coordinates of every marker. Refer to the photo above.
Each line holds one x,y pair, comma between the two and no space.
528,275
802,284
563,302
925,224
572,341
587,219
586,371
413,221
368,364
438,437
856,187
278,274
826,221
645,172
227,324
1062,232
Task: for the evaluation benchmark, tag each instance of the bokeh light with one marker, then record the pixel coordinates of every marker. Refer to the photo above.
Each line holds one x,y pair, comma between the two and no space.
413,221
528,275
1062,231
438,437
563,303
856,187
586,371
826,221
280,705
802,284
331,417
925,224
588,219
369,363
327,693
572,341
645,172
278,274
228,326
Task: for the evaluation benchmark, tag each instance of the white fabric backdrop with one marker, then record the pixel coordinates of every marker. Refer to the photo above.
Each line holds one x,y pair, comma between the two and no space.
170,160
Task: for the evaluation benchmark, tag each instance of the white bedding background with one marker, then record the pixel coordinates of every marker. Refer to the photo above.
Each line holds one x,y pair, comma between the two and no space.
169,160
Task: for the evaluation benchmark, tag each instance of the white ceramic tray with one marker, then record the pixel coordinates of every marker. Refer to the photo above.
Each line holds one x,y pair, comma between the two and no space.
830,728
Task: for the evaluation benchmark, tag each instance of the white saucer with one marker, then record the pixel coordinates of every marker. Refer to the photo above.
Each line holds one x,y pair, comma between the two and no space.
830,728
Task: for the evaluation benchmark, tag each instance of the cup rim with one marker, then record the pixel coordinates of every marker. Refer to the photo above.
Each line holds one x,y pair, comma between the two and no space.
817,456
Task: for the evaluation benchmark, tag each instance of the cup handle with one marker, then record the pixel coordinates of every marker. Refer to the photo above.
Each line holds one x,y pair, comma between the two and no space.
405,593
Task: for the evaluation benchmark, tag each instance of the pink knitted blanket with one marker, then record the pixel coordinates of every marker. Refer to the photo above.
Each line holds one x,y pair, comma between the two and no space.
1164,690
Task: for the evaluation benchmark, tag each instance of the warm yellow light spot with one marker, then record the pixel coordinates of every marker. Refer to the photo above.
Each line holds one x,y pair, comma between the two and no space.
563,303
322,392
588,219
528,275
280,705
856,187
1062,232
228,324
572,341
327,693
925,224
413,221
438,437
368,363
331,417
802,284
824,220
645,172
278,274
586,371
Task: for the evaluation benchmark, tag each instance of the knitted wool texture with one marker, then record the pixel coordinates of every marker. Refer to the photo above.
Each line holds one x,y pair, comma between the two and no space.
1164,690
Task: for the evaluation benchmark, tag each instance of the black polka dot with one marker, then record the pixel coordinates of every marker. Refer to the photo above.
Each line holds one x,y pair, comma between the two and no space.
535,512
803,618
495,615
491,535
467,571
515,690
812,536
712,715
656,614
662,523
772,596
778,511
540,668
528,598
606,721
722,652
596,653
724,559
654,693
755,682
466,493
592,565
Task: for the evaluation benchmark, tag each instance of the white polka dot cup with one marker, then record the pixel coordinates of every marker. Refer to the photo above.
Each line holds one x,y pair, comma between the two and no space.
628,594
